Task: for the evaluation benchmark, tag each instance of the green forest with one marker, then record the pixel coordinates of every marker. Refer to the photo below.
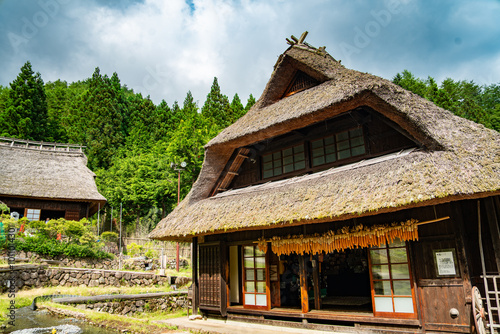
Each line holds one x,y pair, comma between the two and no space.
130,142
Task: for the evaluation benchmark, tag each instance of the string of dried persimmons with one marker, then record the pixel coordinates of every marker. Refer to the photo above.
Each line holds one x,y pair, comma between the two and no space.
346,237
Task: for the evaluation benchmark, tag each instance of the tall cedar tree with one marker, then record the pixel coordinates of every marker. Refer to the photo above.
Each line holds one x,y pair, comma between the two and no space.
216,110
4,97
142,124
236,109
97,118
25,116
165,126
250,102
57,106
187,141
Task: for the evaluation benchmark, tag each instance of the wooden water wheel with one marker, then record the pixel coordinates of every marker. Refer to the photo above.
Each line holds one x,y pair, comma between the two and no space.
478,311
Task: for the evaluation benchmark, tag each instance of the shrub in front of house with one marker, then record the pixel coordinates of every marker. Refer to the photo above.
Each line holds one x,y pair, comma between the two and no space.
51,247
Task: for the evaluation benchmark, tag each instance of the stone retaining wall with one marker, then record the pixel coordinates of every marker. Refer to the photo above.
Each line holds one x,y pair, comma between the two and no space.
34,276
130,305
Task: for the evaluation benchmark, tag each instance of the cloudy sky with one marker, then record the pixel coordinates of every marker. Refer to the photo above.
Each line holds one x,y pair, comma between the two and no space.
164,48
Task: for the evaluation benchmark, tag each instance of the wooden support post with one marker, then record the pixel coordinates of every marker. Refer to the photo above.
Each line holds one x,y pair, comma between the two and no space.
317,291
462,255
195,284
494,229
303,284
224,271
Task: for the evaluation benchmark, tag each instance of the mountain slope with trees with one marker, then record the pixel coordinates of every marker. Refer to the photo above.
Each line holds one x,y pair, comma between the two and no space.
467,99
131,142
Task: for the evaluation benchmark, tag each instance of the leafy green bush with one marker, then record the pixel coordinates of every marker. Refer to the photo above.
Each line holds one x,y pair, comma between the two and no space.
109,236
134,249
6,224
52,247
88,238
151,253
4,208
74,229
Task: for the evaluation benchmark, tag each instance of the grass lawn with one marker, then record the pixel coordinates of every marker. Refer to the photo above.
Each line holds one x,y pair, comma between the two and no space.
144,324
25,297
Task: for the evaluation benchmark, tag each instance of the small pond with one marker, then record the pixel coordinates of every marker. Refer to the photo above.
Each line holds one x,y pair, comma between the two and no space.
26,318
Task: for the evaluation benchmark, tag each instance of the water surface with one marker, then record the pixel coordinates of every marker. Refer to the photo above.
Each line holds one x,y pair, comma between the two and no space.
26,318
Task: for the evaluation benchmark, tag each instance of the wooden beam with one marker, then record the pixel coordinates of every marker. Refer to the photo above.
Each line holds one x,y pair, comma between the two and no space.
304,298
302,37
224,274
462,254
194,279
231,171
494,228
433,221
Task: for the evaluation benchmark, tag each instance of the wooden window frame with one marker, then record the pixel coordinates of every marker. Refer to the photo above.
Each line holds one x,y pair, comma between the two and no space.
393,314
281,160
266,280
335,145
300,82
26,213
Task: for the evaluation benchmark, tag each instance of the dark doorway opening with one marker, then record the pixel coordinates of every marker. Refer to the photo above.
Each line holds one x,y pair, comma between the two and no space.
51,214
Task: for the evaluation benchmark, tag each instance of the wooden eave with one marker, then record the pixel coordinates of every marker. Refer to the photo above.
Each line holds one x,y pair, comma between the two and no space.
302,222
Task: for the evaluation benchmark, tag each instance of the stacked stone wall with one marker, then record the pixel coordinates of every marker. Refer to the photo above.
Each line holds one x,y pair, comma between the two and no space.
171,302
35,276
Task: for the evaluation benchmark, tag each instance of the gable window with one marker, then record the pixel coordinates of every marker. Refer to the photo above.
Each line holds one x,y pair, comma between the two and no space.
32,214
300,82
284,161
342,145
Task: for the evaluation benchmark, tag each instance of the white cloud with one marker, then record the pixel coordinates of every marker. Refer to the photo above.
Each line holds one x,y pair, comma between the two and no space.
165,48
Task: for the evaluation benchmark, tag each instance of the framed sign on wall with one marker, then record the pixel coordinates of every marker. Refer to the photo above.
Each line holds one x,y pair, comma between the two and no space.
445,261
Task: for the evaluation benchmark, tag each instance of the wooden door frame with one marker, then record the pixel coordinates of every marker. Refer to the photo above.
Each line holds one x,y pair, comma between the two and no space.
267,280
394,314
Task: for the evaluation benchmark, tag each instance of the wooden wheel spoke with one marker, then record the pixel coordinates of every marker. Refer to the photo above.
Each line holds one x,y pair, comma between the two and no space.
478,311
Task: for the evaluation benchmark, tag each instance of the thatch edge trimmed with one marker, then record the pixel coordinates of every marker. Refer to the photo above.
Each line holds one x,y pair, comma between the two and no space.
435,201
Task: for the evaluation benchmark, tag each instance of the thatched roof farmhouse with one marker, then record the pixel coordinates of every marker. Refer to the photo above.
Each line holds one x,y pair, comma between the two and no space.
51,178
453,158
342,199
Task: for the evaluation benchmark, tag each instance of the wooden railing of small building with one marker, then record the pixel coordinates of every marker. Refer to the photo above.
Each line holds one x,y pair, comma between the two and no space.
40,145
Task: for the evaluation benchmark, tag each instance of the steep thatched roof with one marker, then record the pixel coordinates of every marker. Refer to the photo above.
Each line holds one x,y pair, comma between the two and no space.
459,160
47,171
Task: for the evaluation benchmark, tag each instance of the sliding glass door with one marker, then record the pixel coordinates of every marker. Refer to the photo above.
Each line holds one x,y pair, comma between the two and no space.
392,286
255,291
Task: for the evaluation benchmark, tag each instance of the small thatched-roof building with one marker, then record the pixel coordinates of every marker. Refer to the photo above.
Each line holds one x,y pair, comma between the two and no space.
47,180
350,187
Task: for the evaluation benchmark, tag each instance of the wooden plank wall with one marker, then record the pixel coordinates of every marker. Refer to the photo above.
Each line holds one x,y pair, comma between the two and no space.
210,277
438,295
